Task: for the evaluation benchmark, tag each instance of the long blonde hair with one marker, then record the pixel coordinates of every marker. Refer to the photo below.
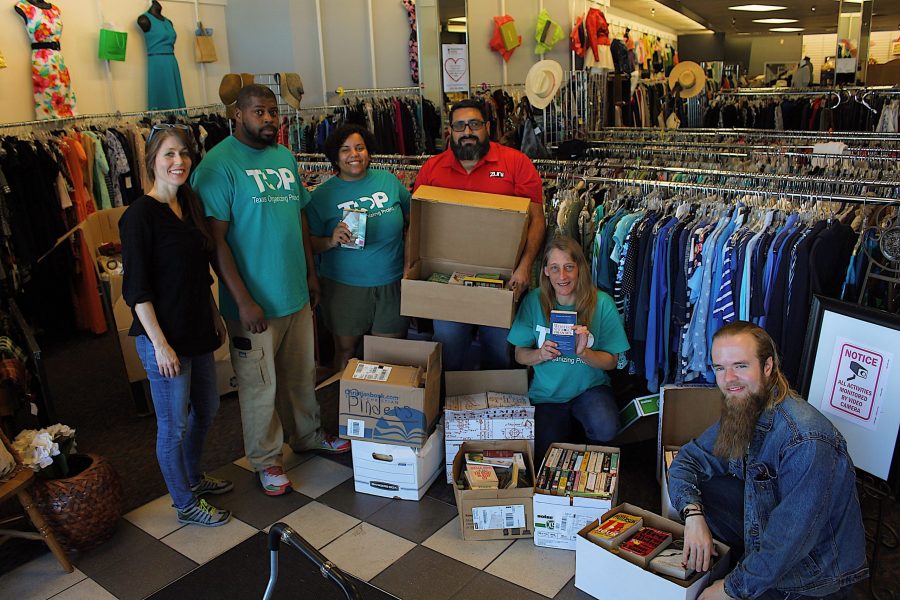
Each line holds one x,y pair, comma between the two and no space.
585,293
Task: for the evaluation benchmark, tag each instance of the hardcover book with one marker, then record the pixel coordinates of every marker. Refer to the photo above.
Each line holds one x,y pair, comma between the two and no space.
459,277
439,278
481,477
356,221
562,330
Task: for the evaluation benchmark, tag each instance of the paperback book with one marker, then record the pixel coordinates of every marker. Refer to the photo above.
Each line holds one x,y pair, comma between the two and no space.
562,330
671,562
612,531
481,477
643,546
356,221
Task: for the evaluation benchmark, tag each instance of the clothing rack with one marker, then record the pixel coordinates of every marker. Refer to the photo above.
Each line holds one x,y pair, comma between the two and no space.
636,132
711,188
731,146
364,91
188,111
738,151
778,91
46,411
799,179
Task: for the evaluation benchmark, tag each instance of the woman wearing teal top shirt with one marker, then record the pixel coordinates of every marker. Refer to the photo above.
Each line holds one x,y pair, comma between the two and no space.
569,388
360,285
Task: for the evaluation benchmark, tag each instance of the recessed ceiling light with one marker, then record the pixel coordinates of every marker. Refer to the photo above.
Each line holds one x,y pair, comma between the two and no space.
756,7
786,29
775,21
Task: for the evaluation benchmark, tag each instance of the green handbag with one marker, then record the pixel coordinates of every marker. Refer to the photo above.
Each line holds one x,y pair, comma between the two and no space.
112,44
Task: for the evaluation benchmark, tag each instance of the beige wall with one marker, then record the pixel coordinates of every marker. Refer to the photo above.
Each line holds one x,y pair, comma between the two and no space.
128,92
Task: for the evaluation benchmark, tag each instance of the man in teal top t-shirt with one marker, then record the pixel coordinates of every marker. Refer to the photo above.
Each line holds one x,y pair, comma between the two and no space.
253,198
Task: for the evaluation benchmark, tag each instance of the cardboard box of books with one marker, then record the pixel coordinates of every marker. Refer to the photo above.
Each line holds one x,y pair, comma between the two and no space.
644,551
684,413
575,485
471,413
489,510
397,471
667,510
478,236
391,395
638,420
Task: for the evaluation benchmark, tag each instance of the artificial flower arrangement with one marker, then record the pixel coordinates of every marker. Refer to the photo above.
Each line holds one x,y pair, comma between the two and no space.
46,451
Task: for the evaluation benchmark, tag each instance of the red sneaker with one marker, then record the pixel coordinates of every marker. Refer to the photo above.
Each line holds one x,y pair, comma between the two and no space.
334,445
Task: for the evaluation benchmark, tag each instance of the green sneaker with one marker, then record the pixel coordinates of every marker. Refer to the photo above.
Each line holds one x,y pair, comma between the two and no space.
211,485
203,514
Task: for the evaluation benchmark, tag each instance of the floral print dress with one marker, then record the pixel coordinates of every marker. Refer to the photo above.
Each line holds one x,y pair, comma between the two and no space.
53,95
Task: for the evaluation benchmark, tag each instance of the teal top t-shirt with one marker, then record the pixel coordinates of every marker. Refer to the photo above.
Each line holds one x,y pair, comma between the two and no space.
260,194
386,202
565,377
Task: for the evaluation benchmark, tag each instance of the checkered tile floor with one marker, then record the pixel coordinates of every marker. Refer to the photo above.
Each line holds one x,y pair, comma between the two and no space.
412,550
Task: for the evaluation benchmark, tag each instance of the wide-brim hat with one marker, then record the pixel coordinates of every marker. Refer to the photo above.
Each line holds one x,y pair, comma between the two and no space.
690,76
542,82
291,88
229,88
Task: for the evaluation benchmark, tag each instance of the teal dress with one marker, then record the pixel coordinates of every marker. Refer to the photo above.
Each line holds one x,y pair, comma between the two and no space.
163,76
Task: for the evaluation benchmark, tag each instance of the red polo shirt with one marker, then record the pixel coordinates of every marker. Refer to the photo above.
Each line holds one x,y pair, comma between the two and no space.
503,170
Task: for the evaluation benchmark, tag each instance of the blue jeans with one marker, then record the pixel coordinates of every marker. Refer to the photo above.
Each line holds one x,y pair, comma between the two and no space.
595,409
457,338
185,406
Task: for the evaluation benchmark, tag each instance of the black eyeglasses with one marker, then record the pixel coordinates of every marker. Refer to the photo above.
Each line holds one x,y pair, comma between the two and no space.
473,124
166,126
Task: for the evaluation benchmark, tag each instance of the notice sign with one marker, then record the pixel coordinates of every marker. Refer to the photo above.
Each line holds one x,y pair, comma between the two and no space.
855,387
455,67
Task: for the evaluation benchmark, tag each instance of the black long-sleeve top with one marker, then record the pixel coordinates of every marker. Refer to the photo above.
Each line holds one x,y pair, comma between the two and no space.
165,264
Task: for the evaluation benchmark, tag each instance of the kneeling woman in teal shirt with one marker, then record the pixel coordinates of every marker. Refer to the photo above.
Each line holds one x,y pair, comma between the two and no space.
360,285
569,388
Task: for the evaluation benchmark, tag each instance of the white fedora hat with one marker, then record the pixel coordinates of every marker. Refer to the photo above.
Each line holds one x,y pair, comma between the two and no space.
690,76
542,82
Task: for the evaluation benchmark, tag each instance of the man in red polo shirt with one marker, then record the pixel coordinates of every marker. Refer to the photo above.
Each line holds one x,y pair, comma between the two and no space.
476,164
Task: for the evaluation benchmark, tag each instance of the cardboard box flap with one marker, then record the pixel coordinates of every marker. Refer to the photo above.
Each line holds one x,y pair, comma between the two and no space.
430,193
475,233
512,381
400,352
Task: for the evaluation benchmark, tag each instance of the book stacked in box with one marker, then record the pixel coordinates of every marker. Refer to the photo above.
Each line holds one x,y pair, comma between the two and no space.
579,473
494,469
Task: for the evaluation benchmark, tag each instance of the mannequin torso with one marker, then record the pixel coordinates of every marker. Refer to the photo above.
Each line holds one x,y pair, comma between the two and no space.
155,10
37,3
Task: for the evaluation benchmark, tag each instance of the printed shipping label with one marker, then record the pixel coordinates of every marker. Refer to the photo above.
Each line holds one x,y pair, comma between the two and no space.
356,428
372,372
498,517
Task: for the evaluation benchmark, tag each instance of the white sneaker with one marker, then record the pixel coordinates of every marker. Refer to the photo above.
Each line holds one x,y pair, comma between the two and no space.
274,481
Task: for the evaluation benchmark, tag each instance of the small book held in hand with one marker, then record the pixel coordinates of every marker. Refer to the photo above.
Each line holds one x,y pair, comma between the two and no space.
356,221
562,330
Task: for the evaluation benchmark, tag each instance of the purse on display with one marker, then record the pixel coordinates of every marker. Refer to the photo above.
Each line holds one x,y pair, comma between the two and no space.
204,48
112,44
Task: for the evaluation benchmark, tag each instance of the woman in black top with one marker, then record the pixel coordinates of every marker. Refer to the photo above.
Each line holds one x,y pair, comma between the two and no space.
166,249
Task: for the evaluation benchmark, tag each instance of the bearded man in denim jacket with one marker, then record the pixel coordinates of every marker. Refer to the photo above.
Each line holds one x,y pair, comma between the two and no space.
773,480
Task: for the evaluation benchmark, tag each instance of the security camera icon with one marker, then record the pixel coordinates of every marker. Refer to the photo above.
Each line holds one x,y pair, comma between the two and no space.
858,371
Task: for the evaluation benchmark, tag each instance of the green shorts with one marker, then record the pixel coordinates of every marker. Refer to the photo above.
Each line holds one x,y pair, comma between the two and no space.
351,310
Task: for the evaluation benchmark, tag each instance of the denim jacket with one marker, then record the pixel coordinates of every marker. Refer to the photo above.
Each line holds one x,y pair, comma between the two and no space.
803,530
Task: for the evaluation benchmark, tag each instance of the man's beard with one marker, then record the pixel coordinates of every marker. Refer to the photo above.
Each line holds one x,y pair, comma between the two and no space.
474,151
737,423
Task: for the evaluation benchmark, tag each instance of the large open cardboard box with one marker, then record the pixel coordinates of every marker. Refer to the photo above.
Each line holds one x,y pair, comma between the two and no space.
604,574
485,424
558,518
684,413
386,413
454,230
514,505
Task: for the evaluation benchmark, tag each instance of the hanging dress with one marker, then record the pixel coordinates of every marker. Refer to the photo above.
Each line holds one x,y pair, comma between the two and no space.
53,95
163,77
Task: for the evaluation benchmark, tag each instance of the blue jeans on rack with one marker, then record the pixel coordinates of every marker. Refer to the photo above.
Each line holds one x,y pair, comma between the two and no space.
595,409
185,406
456,339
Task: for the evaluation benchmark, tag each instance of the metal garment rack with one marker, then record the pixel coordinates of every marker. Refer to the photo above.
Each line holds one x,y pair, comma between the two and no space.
715,189
811,91
799,179
414,89
799,135
737,151
64,121
730,146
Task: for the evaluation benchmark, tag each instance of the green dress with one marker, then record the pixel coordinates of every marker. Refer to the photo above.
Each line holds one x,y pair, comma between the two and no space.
163,76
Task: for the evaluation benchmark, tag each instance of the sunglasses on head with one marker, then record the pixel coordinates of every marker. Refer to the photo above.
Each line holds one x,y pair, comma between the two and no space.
167,126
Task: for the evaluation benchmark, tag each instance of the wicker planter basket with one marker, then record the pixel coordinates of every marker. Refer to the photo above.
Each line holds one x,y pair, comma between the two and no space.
82,510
